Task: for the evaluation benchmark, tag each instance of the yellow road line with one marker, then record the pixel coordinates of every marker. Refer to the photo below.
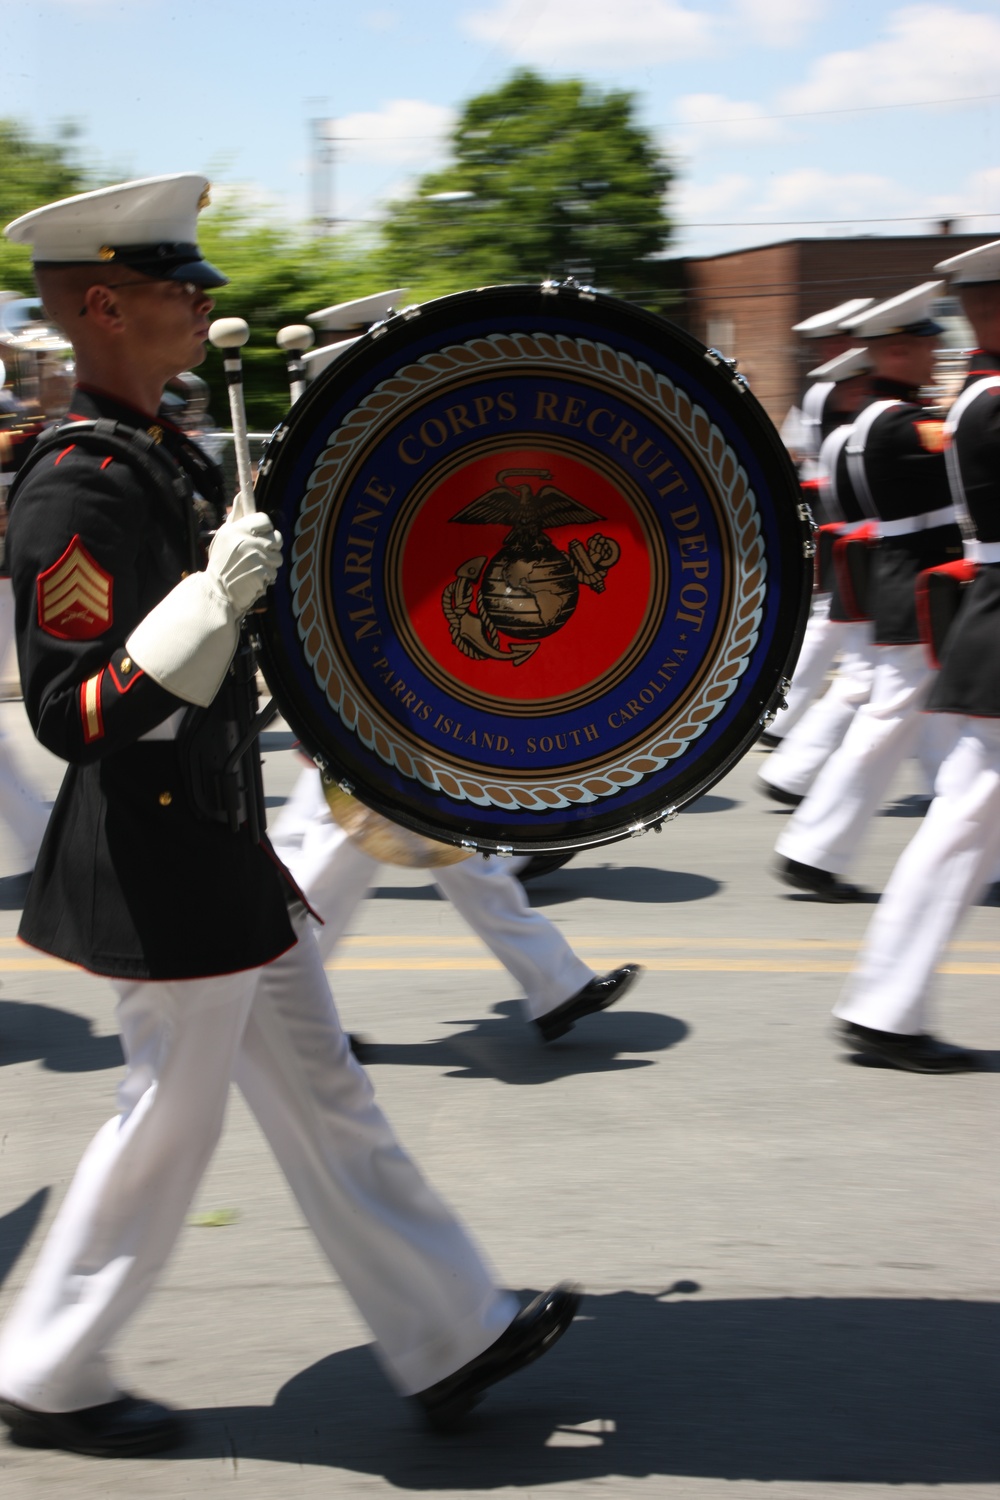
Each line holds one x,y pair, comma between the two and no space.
348,963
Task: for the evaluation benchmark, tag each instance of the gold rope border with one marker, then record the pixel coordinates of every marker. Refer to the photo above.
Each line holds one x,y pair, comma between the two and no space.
635,378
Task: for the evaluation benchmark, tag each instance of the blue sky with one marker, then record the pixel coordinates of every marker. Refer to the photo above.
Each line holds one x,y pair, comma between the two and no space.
784,117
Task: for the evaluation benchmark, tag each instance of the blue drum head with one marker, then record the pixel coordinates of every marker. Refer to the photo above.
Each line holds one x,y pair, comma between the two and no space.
545,568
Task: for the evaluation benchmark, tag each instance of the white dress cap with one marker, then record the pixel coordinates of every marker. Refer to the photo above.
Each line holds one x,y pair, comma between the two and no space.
823,323
972,266
910,313
358,316
316,360
149,226
844,367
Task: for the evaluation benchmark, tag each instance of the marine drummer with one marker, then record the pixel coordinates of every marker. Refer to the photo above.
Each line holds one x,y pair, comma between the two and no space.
134,673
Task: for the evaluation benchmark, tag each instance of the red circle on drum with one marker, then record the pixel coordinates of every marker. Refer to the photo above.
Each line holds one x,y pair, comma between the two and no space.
525,574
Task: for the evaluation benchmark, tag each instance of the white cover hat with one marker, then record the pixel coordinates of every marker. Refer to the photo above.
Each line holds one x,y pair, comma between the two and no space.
823,323
972,266
316,360
852,362
148,225
359,315
910,312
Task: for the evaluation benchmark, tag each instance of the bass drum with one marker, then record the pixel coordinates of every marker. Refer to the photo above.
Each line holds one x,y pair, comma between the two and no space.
545,569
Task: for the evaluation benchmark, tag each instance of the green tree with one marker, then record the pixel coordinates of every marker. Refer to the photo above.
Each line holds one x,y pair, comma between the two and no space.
548,178
31,173
277,275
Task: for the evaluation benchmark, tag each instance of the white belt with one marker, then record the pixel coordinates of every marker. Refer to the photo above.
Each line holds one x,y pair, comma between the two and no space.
981,552
927,522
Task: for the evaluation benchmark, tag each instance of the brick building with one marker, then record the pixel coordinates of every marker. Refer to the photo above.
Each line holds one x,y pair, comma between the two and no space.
745,302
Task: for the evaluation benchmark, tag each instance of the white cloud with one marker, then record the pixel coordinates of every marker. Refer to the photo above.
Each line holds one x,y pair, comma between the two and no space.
928,52
403,133
818,194
779,23
581,33
713,120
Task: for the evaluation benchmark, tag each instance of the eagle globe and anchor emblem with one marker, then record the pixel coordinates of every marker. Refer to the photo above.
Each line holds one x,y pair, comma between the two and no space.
529,589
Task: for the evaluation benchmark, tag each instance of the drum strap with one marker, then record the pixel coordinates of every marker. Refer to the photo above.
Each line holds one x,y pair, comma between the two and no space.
829,453
165,477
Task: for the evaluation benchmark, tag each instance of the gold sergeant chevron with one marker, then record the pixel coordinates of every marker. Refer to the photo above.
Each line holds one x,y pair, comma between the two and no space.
74,596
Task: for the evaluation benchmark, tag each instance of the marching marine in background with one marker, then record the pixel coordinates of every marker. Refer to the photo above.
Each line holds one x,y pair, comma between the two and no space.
134,672
953,856
895,459
23,810
793,766
828,402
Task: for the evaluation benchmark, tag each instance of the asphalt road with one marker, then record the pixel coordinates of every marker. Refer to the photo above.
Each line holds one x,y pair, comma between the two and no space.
789,1259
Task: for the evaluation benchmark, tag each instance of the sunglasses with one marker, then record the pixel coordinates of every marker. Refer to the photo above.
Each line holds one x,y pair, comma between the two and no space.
181,288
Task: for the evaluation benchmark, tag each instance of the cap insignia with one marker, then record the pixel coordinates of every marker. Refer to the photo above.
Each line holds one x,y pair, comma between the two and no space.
106,252
205,198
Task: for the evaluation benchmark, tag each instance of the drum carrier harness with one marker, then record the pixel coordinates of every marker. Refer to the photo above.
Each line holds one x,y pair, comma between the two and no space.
220,772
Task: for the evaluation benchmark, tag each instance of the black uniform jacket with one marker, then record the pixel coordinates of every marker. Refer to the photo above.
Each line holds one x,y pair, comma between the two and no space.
905,469
969,679
130,881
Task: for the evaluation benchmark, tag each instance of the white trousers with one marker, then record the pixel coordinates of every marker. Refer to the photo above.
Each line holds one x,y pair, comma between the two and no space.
335,876
417,1278
826,830
797,761
945,868
24,812
820,644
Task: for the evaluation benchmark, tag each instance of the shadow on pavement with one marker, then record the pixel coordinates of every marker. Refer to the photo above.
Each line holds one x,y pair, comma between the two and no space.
426,892
710,804
869,1390
509,1049
16,1229
913,806
58,1038
633,883
606,882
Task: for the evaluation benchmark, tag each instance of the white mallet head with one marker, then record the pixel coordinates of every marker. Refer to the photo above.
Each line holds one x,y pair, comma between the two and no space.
295,338
229,333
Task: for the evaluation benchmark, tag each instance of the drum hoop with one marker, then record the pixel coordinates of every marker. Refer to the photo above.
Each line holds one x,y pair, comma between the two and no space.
739,510
785,516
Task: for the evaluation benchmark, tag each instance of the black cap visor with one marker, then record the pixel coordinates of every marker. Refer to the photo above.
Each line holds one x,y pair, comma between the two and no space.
925,329
159,262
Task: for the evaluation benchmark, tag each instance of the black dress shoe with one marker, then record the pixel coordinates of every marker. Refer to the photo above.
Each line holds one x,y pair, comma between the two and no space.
913,1054
770,740
778,793
532,1333
822,884
119,1429
597,995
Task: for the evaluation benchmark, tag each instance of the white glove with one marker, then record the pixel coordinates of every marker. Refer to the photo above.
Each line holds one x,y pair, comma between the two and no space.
244,559
188,640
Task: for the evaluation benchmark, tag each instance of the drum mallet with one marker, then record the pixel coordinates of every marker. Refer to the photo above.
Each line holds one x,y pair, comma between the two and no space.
229,335
295,339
